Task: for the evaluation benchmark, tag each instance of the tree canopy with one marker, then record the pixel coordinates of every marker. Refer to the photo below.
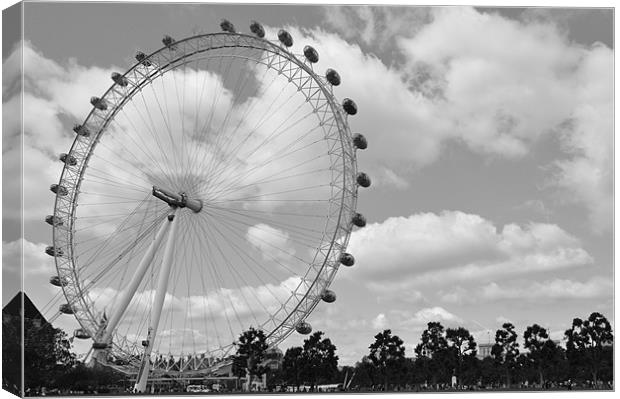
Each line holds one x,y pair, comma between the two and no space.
320,360
586,343
387,354
250,355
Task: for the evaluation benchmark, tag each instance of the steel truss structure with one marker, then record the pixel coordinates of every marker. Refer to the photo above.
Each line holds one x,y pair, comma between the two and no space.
125,352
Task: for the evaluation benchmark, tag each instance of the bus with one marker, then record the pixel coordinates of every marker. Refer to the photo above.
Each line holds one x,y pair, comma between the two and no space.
197,388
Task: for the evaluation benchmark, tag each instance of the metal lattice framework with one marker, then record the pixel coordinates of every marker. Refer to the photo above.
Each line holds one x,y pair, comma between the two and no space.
330,116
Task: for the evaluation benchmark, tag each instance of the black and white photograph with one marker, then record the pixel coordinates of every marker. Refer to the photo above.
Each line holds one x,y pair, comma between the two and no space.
220,198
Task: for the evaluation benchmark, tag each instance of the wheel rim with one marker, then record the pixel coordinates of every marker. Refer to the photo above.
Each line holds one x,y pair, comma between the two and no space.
83,180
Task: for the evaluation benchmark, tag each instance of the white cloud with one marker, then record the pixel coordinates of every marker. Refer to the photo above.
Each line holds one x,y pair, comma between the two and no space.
380,322
35,260
595,287
457,295
376,26
271,242
388,178
423,316
429,249
494,84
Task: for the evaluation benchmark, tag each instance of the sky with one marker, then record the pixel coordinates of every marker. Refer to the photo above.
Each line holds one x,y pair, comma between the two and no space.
490,137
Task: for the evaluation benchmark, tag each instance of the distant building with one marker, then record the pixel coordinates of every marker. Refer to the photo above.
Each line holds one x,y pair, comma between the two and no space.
18,308
13,310
484,350
273,358
424,352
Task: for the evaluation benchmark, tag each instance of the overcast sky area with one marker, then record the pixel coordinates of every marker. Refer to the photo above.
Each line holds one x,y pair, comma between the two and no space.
490,149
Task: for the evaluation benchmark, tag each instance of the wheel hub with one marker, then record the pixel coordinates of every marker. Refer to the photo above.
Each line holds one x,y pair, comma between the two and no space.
179,200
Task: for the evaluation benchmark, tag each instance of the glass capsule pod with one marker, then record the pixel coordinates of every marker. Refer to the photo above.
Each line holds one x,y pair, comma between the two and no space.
360,142
349,106
65,308
311,54
119,79
303,327
332,77
347,259
363,179
285,38
257,29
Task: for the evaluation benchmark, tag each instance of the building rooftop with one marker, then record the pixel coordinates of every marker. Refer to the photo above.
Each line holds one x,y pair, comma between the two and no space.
14,308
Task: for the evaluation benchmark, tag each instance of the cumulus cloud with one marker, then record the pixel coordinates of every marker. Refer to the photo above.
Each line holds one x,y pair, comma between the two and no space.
214,312
376,26
495,84
427,248
271,242
35,260
458,295
380,322
595,287
419,320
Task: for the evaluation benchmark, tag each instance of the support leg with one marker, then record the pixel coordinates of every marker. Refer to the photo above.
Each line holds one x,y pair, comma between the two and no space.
130,291
158,302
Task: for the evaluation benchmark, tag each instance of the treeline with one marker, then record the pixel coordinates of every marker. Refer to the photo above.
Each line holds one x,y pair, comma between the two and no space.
445,357
48,361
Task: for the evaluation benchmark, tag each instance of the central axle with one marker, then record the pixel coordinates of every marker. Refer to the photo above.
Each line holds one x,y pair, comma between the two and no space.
179,200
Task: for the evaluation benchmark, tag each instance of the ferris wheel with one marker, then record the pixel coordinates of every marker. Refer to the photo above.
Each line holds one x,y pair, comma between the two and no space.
213,187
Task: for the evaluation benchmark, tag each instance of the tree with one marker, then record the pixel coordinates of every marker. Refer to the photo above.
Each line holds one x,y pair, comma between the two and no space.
542,349
433,346
83,378
506,350
47,354
320,360
11,356
489,375
365,373
463,345
586,342
251,352
387,353
433,340
293,365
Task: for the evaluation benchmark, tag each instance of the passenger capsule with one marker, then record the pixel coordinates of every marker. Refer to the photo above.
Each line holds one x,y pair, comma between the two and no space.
100,345
227,26
141,58
53,251
65,308
349,106
60,190
332,77
58,281
257,29
360,142
285,38
81,130
53,220
359,220
347,259
328,296
99,103
311,54
303,328
363,179
119,79
80,333
68,159
168,42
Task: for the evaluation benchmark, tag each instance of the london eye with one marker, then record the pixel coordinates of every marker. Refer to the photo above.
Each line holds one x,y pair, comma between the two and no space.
211,188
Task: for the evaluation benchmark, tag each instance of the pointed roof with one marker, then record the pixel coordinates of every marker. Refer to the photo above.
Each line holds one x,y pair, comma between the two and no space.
14,308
